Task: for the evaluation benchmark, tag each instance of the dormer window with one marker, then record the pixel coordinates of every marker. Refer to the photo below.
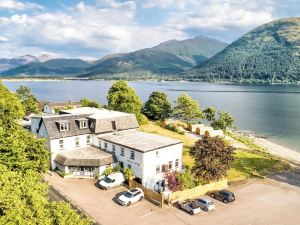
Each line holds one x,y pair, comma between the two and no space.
83,124
64,126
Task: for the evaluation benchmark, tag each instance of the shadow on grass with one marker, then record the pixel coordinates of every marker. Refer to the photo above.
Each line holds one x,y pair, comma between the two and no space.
291,177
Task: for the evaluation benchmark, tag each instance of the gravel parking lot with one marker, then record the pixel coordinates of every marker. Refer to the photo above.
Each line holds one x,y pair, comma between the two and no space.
259,202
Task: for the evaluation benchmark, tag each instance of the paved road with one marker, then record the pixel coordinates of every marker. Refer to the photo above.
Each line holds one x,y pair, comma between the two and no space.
262,202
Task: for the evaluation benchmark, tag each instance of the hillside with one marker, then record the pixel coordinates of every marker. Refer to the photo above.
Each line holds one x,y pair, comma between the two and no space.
268,53
52,67
170,57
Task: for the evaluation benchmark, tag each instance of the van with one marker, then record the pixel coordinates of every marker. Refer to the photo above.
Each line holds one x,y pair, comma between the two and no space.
112,180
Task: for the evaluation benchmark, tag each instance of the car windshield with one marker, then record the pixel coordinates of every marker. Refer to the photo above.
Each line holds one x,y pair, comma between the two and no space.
108,180
128,194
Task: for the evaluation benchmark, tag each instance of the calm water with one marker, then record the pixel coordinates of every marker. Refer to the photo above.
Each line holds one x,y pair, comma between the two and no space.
272,111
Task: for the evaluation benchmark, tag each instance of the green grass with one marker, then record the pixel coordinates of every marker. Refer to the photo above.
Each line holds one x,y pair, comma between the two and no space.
250,165
246,165
245,140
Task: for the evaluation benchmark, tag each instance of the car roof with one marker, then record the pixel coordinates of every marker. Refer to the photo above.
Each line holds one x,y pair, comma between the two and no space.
134,190
205,199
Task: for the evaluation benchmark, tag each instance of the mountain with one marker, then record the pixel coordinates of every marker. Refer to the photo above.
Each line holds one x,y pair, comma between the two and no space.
52,67
171,57
7,64
268,53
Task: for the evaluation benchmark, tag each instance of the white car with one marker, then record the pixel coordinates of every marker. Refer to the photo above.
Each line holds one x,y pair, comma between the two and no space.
131,196
112,180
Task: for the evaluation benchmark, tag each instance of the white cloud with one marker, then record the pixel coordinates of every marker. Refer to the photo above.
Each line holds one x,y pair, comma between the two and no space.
165,4
83,30
18,5
3,39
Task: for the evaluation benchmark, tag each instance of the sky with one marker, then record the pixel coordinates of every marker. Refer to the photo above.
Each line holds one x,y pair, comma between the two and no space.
94,28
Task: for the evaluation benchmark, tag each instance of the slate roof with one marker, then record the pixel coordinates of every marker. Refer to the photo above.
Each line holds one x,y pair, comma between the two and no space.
52,126
139,141
86,156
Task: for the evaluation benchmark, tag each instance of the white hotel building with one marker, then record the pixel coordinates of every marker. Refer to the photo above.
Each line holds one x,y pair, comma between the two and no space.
85,141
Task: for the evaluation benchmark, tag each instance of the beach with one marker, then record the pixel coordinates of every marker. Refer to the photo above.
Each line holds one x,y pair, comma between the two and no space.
278,150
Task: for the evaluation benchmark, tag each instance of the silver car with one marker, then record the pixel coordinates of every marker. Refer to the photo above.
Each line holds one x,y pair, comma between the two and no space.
189,206
205,204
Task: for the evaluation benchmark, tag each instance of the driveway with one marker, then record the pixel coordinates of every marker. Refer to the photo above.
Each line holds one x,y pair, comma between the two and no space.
259,202
100,204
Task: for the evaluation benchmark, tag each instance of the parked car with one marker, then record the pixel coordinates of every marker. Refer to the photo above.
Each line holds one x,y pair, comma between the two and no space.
223,195
112,180
205,204
190,206
131,196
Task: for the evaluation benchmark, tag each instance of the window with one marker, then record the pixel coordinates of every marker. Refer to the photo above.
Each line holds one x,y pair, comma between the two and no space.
88,139
170,165
128,166
105,145
121,164
83,124
158,169
122,151
157,154
76,141
113,148
64,126
99,143
177,163
113,125
132,155
61,143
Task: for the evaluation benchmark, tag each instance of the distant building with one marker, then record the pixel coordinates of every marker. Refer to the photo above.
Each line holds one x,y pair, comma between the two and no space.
55,107
85,141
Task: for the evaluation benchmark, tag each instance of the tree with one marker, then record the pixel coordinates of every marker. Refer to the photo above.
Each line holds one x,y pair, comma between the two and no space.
28,100
89,103
213,158
173,181
23,158
224,121
158,106
209,113
123,98
187,108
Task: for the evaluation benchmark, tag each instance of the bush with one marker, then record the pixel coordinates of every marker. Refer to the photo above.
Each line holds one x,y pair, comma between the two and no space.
188,180
128,174
180,130
171,126
107,171
142,119
117,168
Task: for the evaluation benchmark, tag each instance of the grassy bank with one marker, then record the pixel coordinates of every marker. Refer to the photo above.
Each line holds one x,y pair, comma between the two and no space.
247,164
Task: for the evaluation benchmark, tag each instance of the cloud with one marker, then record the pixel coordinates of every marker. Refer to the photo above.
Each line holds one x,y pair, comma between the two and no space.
18,5
83,30
3,39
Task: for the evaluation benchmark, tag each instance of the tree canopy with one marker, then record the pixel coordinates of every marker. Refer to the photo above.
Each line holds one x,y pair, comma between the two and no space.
23,159
209,113
224,121
28,100
121,97
89,103
213,158
187,108
158,106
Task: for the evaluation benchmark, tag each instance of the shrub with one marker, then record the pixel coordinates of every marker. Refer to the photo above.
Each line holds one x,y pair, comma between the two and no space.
179,130
173,181
107,171
171,126
142,119
128,174
188,180
117,168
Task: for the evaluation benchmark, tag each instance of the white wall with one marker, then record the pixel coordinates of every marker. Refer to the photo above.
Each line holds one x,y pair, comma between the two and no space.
136,163
151,161
48,109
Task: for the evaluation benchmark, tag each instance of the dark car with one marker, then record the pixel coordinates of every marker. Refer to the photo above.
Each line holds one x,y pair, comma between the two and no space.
223,195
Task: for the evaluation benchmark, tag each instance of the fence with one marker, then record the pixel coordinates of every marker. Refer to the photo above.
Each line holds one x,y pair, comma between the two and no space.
150,195
197,191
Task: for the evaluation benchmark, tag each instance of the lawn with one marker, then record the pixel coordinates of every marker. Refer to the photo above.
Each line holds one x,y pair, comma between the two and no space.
246,164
